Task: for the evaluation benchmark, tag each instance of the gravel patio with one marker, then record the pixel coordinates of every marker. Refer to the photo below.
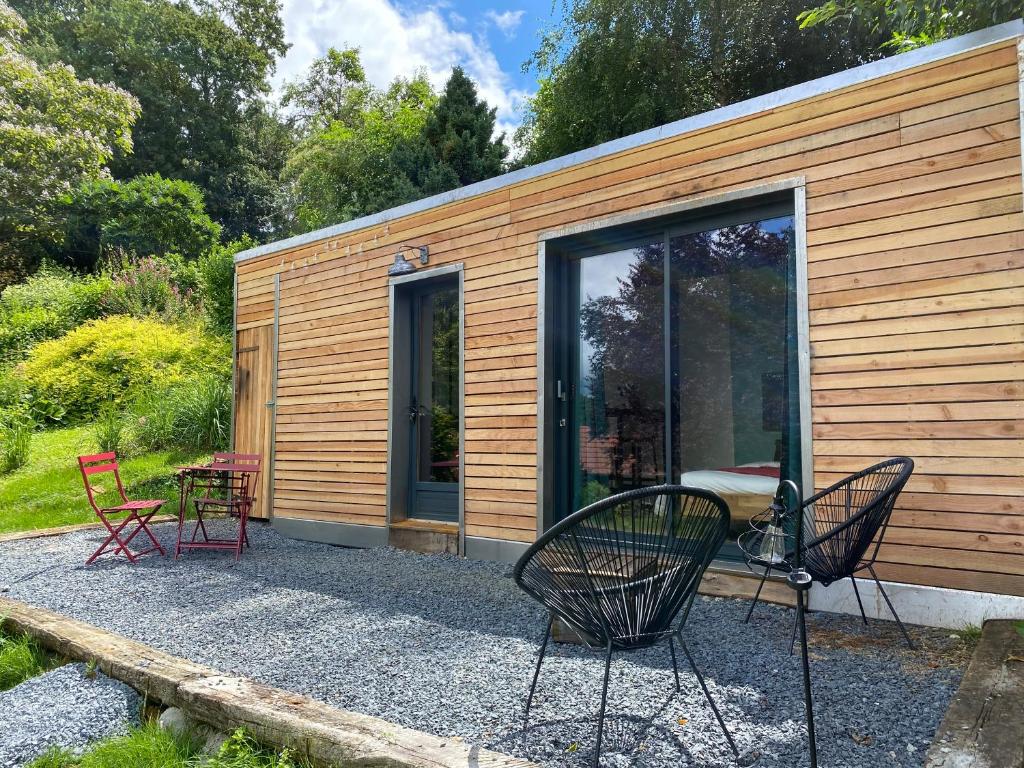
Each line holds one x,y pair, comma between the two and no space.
447,645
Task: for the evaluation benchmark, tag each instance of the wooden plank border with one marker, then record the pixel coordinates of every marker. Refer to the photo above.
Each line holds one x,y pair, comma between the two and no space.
310,728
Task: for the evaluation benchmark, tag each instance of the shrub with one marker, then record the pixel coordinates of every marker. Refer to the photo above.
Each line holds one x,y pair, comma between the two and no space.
203,414
47,305
148,215
13,392
149,287
152,423
16,428
217,273
193,414
109,429
115,359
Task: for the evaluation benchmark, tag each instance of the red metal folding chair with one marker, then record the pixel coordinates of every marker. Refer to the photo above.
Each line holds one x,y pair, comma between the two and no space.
139,512
228,486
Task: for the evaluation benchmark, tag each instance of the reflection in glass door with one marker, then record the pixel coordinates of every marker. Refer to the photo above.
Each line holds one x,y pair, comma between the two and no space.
734,383
681,361
619,404
434,409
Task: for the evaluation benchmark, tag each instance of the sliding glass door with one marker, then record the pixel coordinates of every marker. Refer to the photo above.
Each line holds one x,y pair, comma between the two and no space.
681,363
619,376
734,383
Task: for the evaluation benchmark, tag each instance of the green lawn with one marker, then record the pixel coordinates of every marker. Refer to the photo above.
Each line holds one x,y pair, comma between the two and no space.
21,657
48,491
150,747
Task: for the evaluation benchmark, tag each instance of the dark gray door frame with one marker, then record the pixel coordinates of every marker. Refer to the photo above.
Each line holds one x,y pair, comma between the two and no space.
547,316
399,391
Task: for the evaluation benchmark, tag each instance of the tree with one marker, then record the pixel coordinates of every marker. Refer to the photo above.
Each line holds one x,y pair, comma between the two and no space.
217,278
147,216
200,69
457,145
345,169
616,67
918,23
55,131
366,150
334,89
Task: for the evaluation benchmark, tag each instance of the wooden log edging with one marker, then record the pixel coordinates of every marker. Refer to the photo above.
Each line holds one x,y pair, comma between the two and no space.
310,728
984,725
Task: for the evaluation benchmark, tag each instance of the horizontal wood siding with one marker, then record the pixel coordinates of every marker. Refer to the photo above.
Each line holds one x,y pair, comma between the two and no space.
915,254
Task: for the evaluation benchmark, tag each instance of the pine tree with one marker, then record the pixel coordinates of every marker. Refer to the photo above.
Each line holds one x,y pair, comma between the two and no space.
457,145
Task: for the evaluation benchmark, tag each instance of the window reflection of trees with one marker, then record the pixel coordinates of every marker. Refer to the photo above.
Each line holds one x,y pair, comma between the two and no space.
444,410
622,417
735,278
622,428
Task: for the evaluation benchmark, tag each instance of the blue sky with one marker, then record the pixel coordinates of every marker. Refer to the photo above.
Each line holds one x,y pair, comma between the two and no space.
489,39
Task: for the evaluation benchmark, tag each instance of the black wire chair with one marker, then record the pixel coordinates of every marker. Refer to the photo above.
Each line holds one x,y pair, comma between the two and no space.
620,571
842,527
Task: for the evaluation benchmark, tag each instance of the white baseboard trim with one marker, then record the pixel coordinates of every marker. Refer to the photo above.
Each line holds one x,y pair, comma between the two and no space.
928,606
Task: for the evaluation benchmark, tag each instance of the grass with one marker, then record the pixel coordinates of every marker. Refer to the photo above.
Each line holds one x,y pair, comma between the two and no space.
48,490
149,746
970,635
21,657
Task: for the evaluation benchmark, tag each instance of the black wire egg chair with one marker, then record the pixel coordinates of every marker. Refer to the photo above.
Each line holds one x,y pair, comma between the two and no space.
621,571
841,528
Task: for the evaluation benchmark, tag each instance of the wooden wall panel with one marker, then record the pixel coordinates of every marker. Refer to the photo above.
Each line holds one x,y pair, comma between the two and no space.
916,283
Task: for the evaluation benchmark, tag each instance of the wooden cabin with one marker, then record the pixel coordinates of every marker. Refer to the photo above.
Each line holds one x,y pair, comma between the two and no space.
794,286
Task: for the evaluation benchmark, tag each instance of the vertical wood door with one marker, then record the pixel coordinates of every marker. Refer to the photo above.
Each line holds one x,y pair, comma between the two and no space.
253,390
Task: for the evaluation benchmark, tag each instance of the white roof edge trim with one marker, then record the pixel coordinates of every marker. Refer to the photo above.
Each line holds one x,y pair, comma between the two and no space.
790,95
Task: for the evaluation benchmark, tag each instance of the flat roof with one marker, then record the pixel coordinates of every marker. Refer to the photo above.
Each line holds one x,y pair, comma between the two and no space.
790,95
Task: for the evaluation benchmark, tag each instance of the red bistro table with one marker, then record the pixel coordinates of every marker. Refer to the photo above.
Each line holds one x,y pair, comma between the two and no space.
216,487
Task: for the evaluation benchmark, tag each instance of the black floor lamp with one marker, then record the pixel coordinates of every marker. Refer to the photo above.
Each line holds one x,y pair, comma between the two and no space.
800,581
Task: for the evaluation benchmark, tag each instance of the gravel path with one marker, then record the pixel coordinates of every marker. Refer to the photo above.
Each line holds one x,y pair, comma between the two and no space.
447,645
63,708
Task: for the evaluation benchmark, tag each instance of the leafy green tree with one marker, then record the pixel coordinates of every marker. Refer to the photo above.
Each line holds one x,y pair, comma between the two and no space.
345,170
915,23
217,281
334,89
457,145
615,67
55,131
148,215
200,70
367,149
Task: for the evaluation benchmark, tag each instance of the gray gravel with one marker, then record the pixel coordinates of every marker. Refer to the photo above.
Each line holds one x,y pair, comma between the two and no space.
447,645
63,708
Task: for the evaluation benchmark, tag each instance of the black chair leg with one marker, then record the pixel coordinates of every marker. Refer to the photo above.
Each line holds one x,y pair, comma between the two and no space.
757,594
604,699
675,667
859,603
536,672
707,695
910,643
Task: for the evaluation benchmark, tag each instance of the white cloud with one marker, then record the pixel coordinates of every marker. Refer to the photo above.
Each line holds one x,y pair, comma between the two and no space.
395,42
508,22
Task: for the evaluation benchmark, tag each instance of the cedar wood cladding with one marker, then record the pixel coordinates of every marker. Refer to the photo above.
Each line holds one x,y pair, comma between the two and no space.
915,242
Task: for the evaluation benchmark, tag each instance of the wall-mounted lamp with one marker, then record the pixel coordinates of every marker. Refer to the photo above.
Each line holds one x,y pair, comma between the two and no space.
403,267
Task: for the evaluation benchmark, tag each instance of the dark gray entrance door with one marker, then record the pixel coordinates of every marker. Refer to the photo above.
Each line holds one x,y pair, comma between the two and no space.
434,406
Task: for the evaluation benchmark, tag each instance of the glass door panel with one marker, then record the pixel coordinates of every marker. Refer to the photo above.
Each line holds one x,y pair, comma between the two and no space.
733,364
617,439
434,415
